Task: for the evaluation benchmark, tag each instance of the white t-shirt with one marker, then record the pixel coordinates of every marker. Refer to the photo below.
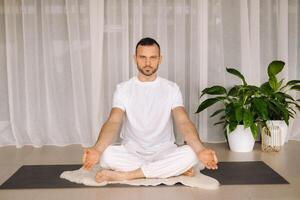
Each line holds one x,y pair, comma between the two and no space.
147,126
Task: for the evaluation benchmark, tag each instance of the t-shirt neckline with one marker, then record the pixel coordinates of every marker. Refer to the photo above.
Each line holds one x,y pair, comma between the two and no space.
136,79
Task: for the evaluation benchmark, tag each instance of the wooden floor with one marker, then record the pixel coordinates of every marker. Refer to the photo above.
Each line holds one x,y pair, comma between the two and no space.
286,162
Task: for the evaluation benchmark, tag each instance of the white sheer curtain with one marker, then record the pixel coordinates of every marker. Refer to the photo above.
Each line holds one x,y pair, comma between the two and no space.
47,83
61,60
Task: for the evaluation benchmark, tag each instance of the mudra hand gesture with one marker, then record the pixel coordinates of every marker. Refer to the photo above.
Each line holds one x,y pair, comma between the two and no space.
90,157
208,158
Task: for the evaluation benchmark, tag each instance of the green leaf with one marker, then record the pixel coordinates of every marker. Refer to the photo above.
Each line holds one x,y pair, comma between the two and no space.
265,88
238,113
275,67
273,82
253,88
294,103
287,96
295,87
290,102
214,90
230,112
291,108
247,118
280,83
236,73
217,112
292,112
298,107
232,126
293,82
254,130
261,107
283,111
208,102
274,112
233,91
280,98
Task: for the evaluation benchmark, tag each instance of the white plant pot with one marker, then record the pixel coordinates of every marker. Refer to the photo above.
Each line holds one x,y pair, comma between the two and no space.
283,129
241,139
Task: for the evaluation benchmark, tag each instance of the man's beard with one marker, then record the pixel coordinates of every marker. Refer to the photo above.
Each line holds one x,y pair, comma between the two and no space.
147,70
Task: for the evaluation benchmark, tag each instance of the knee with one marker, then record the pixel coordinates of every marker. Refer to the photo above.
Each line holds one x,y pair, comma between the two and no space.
189,154
106,157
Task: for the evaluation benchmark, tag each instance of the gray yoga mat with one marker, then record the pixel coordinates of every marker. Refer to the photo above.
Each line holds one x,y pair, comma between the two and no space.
229,173
40,176
245,173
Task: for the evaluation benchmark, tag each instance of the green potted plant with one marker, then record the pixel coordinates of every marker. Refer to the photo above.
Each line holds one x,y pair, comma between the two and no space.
280,105
243,108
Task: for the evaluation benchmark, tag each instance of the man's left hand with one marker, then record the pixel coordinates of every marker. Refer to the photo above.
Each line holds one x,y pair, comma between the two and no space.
208,158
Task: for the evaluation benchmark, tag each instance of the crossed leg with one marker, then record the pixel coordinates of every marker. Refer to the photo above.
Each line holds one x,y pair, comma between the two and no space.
170,159
111,175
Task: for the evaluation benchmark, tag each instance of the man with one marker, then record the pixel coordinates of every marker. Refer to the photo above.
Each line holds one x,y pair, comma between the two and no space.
147,103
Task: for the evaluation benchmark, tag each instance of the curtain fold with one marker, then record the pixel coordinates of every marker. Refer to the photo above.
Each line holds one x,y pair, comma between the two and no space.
48,72
60,61
96,20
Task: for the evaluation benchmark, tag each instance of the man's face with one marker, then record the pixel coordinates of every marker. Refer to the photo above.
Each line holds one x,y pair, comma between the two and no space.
147,59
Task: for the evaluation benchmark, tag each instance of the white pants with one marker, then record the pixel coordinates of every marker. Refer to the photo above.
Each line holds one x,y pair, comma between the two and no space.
169,162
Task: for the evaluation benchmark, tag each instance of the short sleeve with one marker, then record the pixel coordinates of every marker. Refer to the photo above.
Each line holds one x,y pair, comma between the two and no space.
177,97
119,99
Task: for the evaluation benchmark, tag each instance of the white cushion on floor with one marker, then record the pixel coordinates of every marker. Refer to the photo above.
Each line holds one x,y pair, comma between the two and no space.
200,180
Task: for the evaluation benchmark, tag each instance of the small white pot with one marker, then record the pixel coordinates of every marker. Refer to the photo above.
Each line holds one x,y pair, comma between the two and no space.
283,129
241,139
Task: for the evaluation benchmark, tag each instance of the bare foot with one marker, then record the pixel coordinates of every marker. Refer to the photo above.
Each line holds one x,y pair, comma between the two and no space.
190,172
110,175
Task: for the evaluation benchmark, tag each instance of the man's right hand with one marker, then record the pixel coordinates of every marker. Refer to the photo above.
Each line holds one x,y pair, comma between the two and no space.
90,157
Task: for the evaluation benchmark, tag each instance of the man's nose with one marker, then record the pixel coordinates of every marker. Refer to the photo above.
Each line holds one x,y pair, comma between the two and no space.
148,61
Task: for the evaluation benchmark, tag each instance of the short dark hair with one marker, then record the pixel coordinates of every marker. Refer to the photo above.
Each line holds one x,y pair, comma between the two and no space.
147,41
